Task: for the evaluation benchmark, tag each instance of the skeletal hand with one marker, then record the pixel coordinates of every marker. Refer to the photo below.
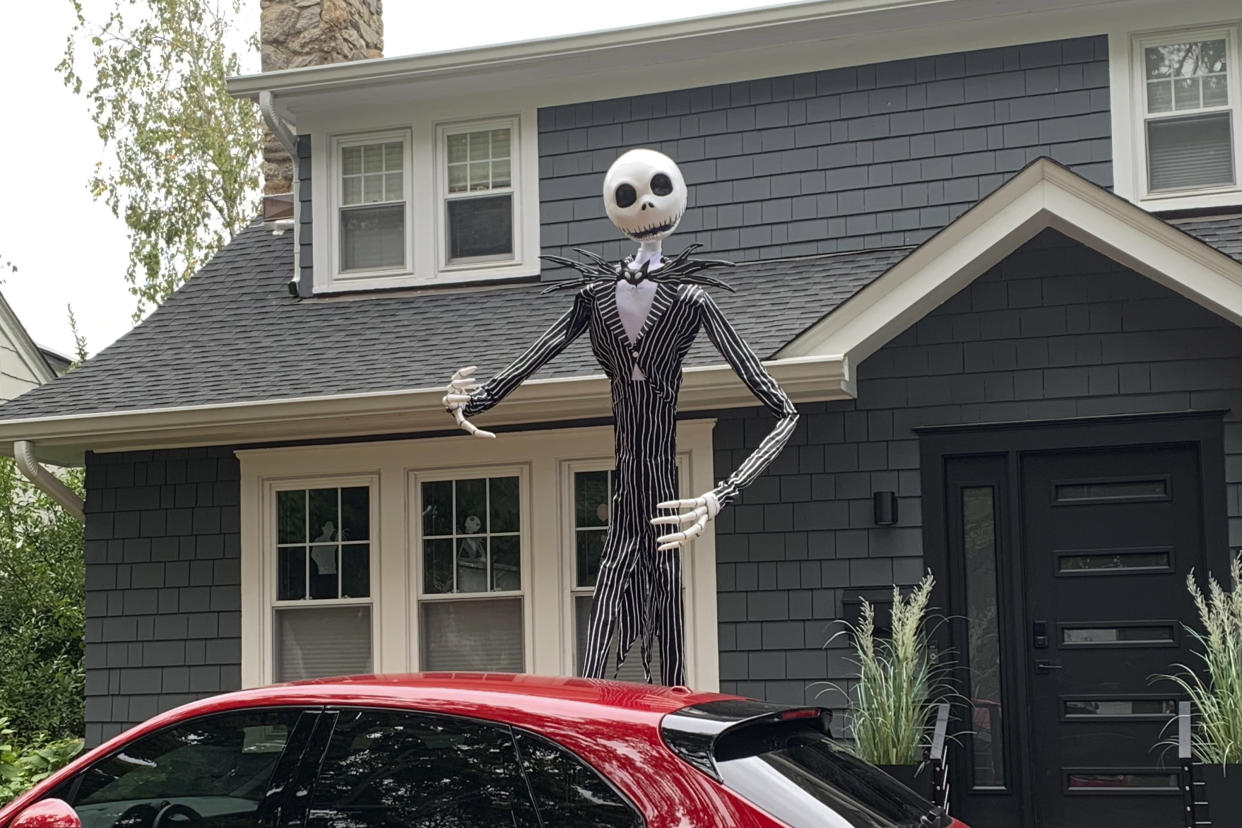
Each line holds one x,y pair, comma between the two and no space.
693,516
457,395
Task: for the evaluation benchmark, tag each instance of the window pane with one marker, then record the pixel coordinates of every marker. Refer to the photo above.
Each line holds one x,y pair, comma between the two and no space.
456,148
1159,96
503,504
471,505
473,635
1185,60
351,160
500,174
1112,490
352,190
291,580
472,565
291,517
500,143
632,669
438,566
396,770
569,792
438,508
1186,93
322,641
1122,779
373,237
1119,635
590,551
591,494
1215,90
355,513
356,570
1158,709
226,759
1183,153
373,188
323,567
392,156
373,158
459,178
979,539
480,176
480,149
506,563
392,187
480,226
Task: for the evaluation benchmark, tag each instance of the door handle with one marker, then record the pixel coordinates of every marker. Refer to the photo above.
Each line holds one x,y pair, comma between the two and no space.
1046,666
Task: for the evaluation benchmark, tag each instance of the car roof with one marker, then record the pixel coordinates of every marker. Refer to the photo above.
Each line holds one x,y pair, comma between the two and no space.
499,696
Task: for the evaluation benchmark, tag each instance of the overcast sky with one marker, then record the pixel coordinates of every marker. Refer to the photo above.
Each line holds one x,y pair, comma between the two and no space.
70,250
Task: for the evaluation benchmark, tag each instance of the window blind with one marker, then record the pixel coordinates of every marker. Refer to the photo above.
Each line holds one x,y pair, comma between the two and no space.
1185,153
473,635
323,641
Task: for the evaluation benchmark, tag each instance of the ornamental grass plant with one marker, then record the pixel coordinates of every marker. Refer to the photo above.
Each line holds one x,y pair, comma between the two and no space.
899,682
1216,690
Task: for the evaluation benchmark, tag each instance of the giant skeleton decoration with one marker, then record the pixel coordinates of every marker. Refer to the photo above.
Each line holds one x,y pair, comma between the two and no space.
643,315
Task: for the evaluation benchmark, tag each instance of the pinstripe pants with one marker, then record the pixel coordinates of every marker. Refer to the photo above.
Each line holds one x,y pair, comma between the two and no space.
638,594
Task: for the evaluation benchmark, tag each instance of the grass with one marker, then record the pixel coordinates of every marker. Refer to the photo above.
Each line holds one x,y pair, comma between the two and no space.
1217,735
898,681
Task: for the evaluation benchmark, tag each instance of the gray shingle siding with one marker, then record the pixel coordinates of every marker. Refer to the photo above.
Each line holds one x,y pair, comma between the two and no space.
163,596
1054,331
844,159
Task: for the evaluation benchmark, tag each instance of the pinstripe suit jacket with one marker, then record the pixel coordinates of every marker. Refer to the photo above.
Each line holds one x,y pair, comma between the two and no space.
677,313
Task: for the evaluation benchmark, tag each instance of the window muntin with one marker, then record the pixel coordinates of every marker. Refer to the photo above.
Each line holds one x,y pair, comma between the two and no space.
387,768
1187,100
322,614
479,174
373,194
217,766
470,562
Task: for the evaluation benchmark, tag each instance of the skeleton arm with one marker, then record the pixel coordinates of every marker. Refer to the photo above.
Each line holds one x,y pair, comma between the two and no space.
694,513
465,397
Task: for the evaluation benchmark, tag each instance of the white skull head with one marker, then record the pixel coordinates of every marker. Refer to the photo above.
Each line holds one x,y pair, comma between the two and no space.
644,195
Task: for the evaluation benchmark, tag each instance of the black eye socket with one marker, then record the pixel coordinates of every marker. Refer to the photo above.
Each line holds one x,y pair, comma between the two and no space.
625,195
661,185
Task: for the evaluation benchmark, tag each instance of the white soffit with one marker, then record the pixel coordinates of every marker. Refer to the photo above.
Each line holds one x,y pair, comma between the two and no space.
1044,195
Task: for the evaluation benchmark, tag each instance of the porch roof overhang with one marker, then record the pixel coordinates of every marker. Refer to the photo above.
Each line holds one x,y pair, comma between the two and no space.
1045,195
65,439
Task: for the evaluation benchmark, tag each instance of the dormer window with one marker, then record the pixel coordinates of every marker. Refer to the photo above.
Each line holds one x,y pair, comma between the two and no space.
479,179
373,198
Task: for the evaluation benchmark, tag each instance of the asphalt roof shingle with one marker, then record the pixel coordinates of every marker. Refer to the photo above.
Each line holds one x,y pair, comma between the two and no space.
233,333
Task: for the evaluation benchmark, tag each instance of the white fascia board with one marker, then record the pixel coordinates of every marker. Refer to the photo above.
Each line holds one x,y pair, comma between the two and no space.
1044,195
64,439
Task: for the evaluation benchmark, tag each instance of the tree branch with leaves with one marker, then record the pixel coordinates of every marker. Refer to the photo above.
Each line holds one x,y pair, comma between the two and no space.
183,170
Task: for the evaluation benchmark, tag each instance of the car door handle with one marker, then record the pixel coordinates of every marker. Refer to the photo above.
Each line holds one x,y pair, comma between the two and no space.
1046,666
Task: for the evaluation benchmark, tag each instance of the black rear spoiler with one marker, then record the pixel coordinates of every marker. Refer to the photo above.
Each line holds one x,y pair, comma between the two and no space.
692,732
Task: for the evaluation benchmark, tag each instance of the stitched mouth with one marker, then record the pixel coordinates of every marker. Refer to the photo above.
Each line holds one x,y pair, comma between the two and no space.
650,230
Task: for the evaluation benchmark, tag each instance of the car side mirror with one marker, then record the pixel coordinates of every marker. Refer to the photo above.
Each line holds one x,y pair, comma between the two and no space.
48,813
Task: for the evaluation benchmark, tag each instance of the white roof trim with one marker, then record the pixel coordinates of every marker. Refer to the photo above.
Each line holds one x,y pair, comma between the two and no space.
23,344
64,439
1044,195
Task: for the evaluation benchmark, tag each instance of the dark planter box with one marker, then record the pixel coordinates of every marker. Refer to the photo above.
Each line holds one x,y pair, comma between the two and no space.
1223,789
917,778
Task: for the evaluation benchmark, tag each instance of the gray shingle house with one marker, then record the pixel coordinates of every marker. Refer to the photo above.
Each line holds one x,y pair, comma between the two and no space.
994,252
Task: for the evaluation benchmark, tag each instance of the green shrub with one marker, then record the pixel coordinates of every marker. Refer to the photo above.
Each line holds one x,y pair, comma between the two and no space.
899,683
42,626
1217,735
22,767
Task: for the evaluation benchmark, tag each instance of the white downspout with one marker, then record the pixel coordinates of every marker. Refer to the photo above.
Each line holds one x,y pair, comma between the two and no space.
50,484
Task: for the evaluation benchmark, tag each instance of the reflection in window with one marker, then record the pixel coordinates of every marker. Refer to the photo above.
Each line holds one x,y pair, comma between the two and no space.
1112,490
593,493
1085,782
979,548
1118,635
567,791
399,770
1160,709
1114,561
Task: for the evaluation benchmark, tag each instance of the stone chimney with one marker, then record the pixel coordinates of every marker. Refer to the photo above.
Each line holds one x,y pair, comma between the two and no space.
307,33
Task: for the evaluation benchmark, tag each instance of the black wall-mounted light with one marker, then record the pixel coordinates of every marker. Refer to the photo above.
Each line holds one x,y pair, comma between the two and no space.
884,506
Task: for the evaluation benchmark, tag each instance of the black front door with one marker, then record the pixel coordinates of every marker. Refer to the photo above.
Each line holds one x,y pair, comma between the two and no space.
1109,537
1061,552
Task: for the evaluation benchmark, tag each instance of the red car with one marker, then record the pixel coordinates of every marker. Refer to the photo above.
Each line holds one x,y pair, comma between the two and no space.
473,751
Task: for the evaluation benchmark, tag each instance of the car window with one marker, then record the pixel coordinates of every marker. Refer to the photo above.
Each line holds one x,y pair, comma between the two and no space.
210,772
568,792
388,769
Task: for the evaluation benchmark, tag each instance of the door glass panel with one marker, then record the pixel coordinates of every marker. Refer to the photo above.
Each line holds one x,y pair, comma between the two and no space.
979,542
1114,561
1121,780
214,768
1088,491
387,769
1098,708
1118,635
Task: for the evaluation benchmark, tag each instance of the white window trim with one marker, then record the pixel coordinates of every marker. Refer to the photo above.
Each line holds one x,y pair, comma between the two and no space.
264,620
478,264
415,533
339,143
1128,102
425,225
394,465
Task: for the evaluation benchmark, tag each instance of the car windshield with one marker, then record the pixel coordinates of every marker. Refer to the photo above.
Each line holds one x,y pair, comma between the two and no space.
795,772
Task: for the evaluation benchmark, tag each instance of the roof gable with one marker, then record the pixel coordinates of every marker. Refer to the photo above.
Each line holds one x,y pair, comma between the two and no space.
28,361
1044,195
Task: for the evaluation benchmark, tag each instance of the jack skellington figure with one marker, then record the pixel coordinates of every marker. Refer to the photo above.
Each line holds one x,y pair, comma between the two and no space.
643,315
